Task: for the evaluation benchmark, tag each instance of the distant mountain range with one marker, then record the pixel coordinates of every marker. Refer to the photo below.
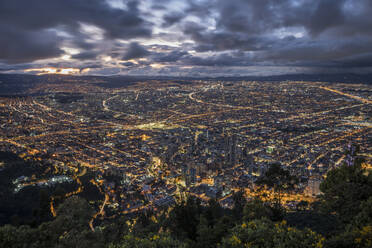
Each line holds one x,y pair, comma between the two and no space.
15,84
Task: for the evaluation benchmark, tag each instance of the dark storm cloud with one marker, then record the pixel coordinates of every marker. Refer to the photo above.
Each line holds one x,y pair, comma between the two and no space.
172,18
41,14
85,55
208,35
172,56
26,25
160,4
316,16
332,32
221,41
80,66
128,64
27,46
363,60
135,51
305,52
225,59
15,67
107,71
200,8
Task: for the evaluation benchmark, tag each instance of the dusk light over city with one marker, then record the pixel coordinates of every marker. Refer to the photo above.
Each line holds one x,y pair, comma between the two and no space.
186,123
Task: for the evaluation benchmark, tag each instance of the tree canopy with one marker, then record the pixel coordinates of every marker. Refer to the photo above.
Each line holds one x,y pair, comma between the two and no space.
342,216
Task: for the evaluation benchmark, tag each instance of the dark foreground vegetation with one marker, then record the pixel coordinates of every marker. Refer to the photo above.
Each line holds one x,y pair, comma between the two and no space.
341,217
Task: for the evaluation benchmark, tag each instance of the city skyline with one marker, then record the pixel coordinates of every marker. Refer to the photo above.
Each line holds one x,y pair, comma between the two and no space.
145,144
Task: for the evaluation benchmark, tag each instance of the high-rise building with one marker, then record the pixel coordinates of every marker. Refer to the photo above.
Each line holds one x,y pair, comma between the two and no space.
233,150
192,176
313,184
230,150
189,174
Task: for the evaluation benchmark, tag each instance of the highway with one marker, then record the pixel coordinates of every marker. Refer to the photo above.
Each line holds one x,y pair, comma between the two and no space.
363,100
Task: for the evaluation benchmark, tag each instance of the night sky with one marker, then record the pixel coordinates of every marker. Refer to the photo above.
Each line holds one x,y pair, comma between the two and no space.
185,37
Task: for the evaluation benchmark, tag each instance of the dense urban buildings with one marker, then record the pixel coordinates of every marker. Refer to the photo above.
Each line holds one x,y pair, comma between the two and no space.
148,144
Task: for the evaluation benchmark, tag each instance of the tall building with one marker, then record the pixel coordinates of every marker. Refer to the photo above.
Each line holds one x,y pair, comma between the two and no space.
192,176
248,161
230,150
189,174
233,150
313,184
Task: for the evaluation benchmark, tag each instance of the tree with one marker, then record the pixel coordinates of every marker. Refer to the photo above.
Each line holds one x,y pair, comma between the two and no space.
358,233
356,238
74,213
266,234
239,203
213,212
184,219
302,205
11,236
278,179
364,217
152,241
256,209
344,189
69,229
145,224
206,236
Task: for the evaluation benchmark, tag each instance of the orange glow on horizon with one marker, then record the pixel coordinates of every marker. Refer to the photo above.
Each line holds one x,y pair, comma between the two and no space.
157,66
53,70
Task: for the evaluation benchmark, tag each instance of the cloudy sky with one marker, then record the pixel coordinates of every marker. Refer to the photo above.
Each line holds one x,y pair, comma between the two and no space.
185,37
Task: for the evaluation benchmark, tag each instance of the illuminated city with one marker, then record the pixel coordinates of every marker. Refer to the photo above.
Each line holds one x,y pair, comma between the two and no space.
165,139
185,124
